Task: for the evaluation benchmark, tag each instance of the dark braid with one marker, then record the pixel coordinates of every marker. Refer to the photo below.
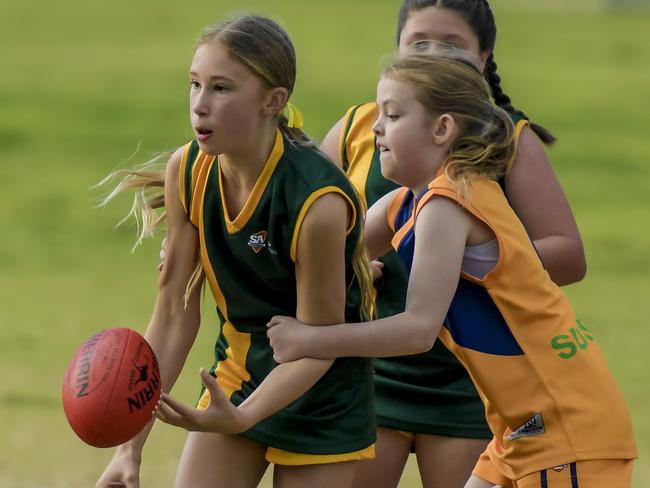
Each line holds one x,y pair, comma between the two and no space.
479,16
499,96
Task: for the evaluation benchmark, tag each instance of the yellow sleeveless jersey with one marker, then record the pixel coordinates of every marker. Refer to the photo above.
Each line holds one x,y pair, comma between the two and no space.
549,396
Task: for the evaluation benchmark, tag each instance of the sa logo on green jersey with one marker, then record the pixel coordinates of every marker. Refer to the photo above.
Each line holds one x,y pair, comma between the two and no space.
570,345
258,241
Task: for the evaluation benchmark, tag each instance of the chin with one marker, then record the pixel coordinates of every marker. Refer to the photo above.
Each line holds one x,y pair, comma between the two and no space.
209,148
389,172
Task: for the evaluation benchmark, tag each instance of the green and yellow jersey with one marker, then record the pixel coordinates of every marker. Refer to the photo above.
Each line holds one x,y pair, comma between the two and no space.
249,263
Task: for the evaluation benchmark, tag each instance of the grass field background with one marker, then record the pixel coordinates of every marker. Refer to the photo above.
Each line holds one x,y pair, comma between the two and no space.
85,84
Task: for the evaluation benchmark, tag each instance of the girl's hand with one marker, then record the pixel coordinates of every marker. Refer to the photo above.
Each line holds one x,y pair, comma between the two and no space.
289,338
122,472
163,254
221,416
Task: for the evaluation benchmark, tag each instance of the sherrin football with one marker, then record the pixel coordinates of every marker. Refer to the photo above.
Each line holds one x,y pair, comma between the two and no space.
111,387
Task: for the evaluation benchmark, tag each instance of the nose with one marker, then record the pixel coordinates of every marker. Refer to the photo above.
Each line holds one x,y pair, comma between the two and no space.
378,127
199,103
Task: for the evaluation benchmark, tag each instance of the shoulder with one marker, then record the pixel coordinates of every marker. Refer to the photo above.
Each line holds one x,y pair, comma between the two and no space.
309,169
480,191
174,164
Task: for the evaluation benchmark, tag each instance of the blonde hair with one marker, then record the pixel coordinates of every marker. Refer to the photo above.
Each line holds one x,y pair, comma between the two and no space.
443,84
362,270
266,49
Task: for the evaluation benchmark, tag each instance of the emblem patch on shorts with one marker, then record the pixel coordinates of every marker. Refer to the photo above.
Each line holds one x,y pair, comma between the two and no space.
533,426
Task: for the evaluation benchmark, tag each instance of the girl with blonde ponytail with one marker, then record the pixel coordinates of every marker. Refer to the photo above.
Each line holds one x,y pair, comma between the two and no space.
275,228
476,282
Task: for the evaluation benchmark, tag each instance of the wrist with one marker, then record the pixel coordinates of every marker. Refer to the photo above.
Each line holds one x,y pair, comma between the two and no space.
310,343
129,450
246,418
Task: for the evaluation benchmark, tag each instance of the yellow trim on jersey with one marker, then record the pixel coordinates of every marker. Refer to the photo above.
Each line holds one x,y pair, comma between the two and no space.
200,173
260,185
394,207
287,458
181,175
476,212
307,205
231,372
519,127
343,135
355,141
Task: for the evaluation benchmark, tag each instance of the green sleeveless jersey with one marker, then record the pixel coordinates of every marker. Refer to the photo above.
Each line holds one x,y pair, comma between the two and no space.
428,393
250,265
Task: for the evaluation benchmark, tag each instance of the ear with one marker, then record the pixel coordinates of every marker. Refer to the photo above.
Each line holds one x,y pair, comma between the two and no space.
275,101
444,128
483,57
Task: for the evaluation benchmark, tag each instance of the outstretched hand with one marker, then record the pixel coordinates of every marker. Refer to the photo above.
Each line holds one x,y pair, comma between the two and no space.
289,338
220,415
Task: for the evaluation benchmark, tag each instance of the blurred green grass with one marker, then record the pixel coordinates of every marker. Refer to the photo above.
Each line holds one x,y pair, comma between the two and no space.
85,84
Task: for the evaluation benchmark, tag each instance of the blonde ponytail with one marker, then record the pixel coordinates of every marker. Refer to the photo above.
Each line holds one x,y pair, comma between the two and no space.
147,181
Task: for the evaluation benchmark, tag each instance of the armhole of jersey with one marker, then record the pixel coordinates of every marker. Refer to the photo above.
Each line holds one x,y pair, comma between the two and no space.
453,195
343,139
393,208
187,175
199,178
182,183
519,126
307,205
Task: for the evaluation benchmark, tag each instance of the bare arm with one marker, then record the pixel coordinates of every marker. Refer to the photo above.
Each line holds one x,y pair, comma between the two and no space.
441,234
320,277
330,144
378,234
535,194
172,327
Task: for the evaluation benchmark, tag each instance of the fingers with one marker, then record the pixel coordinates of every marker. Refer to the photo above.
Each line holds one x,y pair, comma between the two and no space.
163,249
163,254
216,394
175,413
275,320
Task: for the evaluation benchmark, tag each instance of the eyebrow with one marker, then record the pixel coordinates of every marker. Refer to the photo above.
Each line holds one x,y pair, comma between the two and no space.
388,101
213,77
454,37
419,36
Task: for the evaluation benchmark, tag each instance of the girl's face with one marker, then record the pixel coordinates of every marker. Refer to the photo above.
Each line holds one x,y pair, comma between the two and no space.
226,101
409,153
441,25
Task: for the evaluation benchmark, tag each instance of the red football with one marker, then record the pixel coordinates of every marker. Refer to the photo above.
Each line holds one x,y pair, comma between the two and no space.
111,387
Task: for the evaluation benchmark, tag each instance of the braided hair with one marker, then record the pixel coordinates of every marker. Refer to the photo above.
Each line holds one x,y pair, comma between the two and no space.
479,16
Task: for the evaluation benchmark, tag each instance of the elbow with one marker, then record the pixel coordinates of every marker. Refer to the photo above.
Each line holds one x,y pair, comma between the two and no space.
423,338
576,270
581,269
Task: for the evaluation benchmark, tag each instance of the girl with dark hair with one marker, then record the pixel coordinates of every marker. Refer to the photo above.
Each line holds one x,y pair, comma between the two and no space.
426,403
557,416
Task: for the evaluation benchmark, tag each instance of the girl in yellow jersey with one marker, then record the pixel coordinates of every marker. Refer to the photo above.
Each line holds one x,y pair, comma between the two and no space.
476,282
275,228
426,403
